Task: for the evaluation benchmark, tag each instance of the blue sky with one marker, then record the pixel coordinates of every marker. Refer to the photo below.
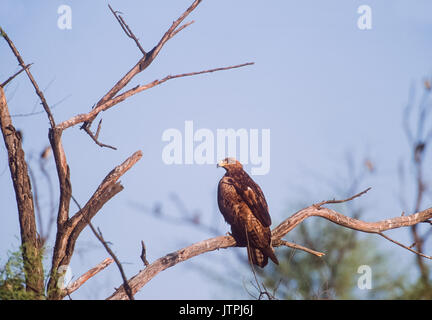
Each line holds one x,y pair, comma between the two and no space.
322,86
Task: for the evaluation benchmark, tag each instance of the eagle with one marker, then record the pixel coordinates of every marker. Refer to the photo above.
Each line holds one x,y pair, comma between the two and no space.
244,207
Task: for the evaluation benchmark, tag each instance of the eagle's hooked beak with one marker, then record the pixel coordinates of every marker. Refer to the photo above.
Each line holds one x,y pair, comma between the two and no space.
220,164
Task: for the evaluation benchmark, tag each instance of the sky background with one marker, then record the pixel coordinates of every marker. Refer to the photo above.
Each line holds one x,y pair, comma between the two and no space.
322,86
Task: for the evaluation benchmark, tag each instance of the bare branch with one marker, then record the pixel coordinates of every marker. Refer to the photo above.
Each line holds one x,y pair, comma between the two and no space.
86,276
145,61
143,254
55,140
108,184
92,114
187,24
87,129
171,259
144,276
33,81
404,246
14,75
127,30
72,228
99,236
342,201
172,30
278,243
88,117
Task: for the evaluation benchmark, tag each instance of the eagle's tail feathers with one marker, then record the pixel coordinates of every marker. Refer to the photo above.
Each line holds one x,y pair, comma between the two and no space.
260,257
257,257
271,254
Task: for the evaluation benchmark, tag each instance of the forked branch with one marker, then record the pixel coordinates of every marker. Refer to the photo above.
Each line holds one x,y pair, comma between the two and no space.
222,242
72,228
112,97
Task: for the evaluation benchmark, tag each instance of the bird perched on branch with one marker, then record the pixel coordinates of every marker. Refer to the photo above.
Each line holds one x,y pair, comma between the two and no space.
244,207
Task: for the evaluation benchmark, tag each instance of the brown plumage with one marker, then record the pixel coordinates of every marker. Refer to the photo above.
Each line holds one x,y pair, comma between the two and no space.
244,207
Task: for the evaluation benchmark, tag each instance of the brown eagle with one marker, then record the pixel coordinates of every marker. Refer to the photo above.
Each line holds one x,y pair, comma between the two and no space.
244,207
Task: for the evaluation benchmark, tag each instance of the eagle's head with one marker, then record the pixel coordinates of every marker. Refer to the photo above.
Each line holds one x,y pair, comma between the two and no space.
229,164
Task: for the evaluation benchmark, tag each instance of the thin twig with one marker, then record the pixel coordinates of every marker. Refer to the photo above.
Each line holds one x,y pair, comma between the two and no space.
100,237
13,76
29,114
143,254
127,30
404,246
86,276
187,24
344,200
32,80
86,128
278,243
98,129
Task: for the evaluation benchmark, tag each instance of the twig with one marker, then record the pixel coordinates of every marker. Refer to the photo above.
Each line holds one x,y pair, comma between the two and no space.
89,274
32,80
318,205
17,115
100,237
187,24
404,246
86,128
127,30
13,76
278,243
143,254
98,129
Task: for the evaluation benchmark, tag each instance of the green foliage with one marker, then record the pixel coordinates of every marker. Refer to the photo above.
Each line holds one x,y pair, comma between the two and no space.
416,291
334,276
12,279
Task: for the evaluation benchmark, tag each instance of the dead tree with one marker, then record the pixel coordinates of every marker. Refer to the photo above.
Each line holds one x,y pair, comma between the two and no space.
69,226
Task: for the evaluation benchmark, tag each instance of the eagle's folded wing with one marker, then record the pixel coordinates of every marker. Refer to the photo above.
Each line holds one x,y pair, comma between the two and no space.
252,195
